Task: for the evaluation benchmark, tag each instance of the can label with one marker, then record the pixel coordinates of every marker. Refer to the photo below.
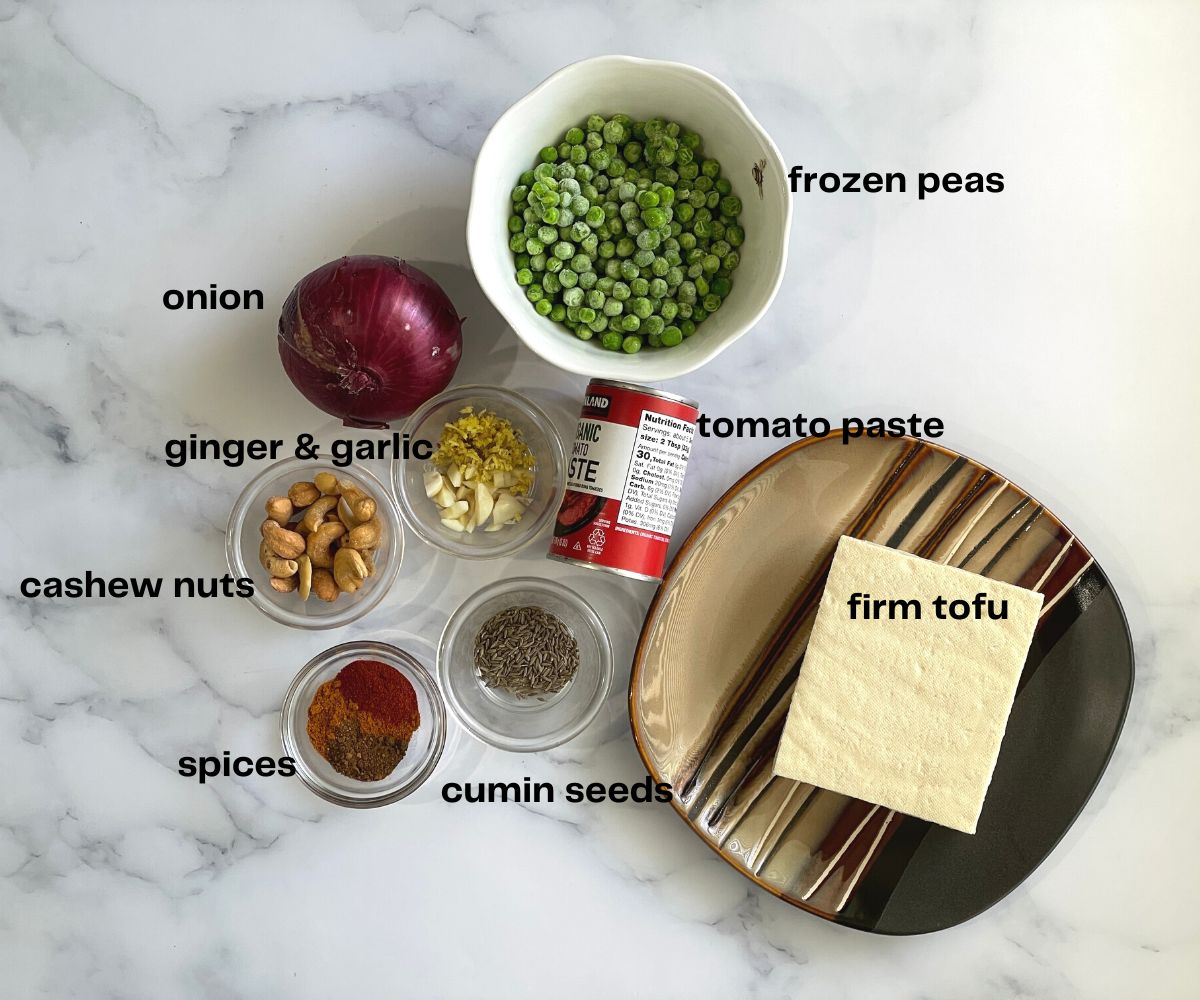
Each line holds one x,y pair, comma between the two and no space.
624,479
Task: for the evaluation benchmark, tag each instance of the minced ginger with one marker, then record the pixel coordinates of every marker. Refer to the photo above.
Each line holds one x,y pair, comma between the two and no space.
486,443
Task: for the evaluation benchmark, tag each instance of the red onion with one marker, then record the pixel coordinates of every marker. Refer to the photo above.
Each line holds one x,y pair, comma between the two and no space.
369,339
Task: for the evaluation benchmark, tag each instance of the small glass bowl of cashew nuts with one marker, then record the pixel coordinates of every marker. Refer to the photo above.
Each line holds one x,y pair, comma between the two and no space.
322,545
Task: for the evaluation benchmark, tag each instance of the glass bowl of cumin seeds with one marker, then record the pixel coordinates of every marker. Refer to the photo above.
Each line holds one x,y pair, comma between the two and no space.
525,664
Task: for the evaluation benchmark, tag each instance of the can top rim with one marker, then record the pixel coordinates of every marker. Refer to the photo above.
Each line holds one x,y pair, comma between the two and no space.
646,390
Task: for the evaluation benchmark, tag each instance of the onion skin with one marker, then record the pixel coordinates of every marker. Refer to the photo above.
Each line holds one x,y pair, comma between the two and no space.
368,339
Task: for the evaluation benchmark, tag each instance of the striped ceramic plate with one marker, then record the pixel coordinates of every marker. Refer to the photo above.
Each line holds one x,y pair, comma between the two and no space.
724,641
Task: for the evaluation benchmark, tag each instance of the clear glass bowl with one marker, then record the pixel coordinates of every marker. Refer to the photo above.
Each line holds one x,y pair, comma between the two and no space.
549,476
243,537
525,724
415,767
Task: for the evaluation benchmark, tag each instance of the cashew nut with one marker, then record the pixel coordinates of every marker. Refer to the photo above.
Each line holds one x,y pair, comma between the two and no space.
302,494
321,541
326,482
368,558
324,586
349,570
365,536
284,543
285,585
363,509
306,572
281,567
279,509
264,553
345,514
315,513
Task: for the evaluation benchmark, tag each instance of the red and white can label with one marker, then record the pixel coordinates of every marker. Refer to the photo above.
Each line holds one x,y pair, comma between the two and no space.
624,479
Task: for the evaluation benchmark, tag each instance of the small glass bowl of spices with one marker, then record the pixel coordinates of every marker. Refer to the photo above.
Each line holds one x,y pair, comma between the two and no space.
496,477
365,724
525,664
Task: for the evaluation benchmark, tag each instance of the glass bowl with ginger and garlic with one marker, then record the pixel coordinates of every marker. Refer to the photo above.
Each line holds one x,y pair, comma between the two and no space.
321,545
495,479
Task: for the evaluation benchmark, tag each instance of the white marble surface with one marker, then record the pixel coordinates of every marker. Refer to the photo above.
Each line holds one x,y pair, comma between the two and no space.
155,145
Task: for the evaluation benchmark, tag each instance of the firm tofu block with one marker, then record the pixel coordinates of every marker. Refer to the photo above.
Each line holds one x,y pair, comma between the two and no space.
902,712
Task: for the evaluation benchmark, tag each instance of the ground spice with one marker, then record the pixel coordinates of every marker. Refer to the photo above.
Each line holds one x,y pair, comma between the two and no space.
362,720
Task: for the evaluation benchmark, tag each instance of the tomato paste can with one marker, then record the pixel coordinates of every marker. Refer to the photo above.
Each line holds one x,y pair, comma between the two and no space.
624,478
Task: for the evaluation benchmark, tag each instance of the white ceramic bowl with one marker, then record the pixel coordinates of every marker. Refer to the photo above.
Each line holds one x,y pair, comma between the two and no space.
642,88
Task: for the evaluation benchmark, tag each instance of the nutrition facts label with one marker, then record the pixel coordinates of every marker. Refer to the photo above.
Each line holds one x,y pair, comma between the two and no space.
655,480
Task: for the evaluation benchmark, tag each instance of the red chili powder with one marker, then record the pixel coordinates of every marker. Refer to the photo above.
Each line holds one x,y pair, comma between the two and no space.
382,691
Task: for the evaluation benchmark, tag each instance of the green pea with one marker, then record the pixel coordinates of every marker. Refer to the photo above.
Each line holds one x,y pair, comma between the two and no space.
564,173
689,171
605,284
518,243
712,199
648,239
672,336
625,247
611,341
573,296
586,314
564,150
655,218
653,325
643,257
537,262
710,168
631,345
712,303
584,174
595,298
526,178
599,324
592,141
656,288
702,229
563,250
594,216
558,312
629,270
669,309
614,131
590,244
640,307
731,205
612,268
551,215
574,135
522,260
548,154
616,167
632,152
515,223
553,265
524,276
550,283
674,276
702,186
543,307
723,187
684,212
568,278
659,266
712,264
587,280
639,286
621,291
606,249
583,333
685,310
701,287
613,307
654,340
721,287
732,259
735,235
720,248
647,199
599,159
687,292
687,328
534,292
594,123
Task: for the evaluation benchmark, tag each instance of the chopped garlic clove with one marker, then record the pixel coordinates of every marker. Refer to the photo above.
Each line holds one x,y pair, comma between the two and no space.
483,503
454,474
507,508
501,479
446,497
456,509
463,493
452,523
433,484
